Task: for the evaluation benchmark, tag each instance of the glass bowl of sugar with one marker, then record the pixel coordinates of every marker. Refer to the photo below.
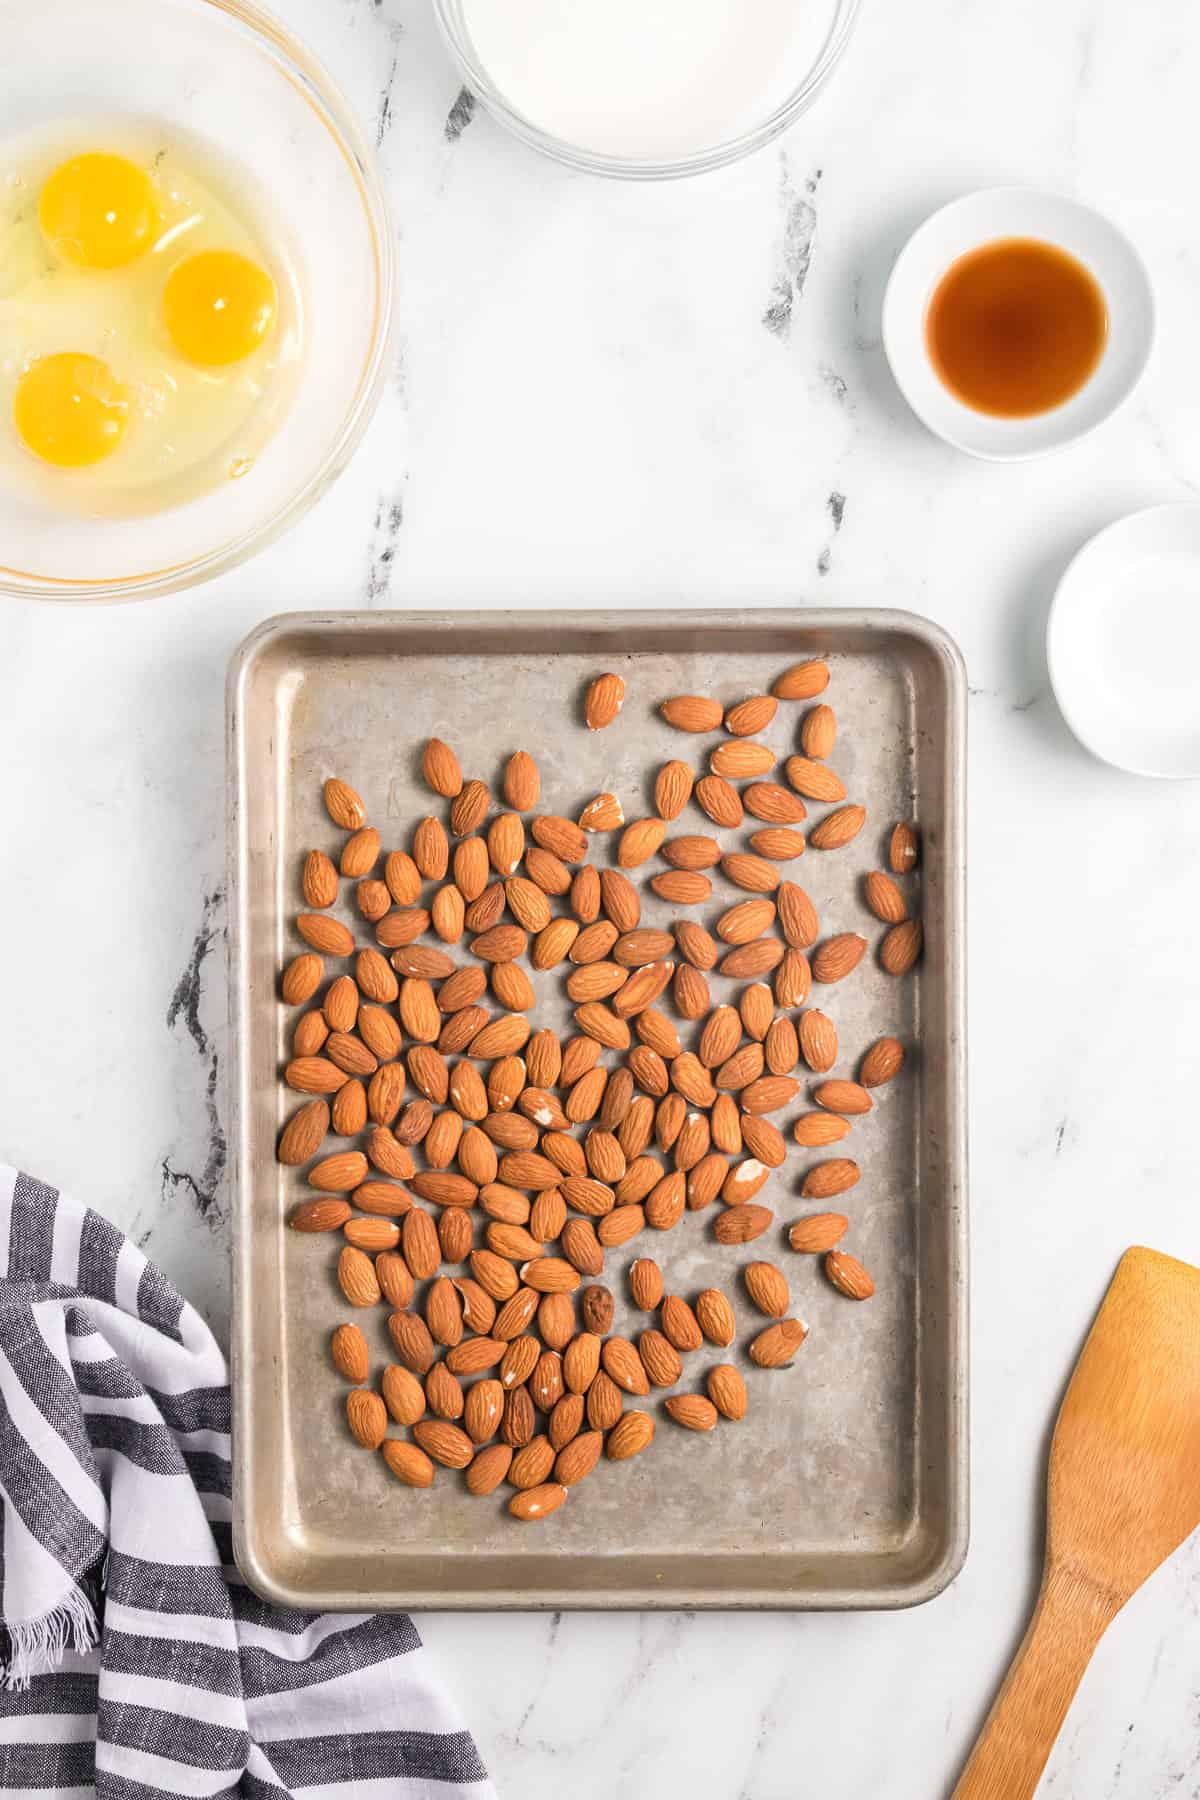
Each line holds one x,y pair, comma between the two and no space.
646,89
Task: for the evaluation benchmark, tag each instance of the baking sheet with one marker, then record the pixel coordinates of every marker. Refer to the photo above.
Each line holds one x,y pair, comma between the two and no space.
846,1485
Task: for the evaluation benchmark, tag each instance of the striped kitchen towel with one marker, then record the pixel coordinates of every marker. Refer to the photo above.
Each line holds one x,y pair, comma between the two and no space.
134,1663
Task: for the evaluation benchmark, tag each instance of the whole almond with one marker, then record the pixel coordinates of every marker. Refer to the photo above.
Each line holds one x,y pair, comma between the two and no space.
566,1420
764,1141
585,895
818,1040
519,1360
474,1355
338,1173
343,805
672,791
604,1402
803,681
751,716
483,913
619,899
304,1133
743,1181
642,989
349,1053
320,882
582,1249
538,1502
690,1078
773,803
816,1129
446,1443
403,878
797,916
818,1233
838,828
443,1307
360,853
443,1392
547,1216
581,1359
403,1394
448,913
741,1069
657,1033
371,1234
506,843
775,1347
624,1366
778,842
384,1199
692,852
441,770
522,784
395,1280
715,1316
603,701
767,1287
310,1034
328,1213
740,758
679,1324
884,898
793,979
469,808
818,732
431,848
639,841
578,1458
301,979
547,871
901,947
645,1283
745,921
848,1275
349,1110
546,1383
636,949
753,959
671,1112
846,1097
742,1224
695,944
595,1310
372,900
411,1341
351,1357
693,1141
692,712
488,1469
314,1075
882,1062
630,1435
455,1235
705,1181
769,1093
693,1411
562,837
753,873
719,799
543,1058
407,1462
594,942
340,1005
604,813
829,1178
837,956
374,977
727,1391
605,1158
904,849
814,780
660,1359
402,927
482,1410
726,1126
681,887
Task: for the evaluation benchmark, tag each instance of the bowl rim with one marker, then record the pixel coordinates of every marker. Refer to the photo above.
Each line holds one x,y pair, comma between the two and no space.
313,82
637,168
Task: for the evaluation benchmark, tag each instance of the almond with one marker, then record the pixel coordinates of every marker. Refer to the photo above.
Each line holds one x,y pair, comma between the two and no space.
603,701
407,1462
884,898
740,1070
843,1097
742,1224
705,1181
443,1392
778,842
350,1054
585,895
816,1129
561,837
359,855
740,758
476,1354
776,1346
581,1248
819,1232
546,1383
566,1420
431,848
767,1287
340,1005
403,1394
551,1275
619,899
848,1275
797,916
320,883
838,827
313,1075
301,979
443,1306
411,1341
727,1391
672,791
657,1033
753,959
395,1279
340,1172
901,947
639,841
682,888
584,1194
578,1458
629,1436
692,712
325,1214
383,1199
726,1124
814,780
595,1307
583,1100
743,1181
374,978
506,843
642,989
793,979
605,1158
527,903
660,1359
537,1503
773,803
310,1034
818,732
690,1078
482,1410
715,1317
343,805
398,928
455,1235
837,956
829,1178
604,1403
764,1141
543,1058
385,1092
818,1040
483,913
692,852
769,1093
679,1324
488,1469
882,1062
403,879
692,1411
803,681
519,1360
469,809
351,1358
752,873
522,784
304,1133
695,944
668,1120
349,1110
441,770
904,849
719,799
448,913
751,716
623,1365
604,813
372,900
371,1234
594,942
581,1359
445,1443
634,949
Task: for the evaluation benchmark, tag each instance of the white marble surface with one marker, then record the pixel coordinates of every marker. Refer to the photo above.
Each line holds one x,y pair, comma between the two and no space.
590,407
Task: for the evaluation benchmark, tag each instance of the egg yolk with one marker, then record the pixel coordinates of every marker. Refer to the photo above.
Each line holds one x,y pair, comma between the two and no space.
70,409
98,211
219,307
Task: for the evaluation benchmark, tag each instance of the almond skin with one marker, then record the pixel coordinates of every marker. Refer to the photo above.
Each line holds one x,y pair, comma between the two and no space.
818,1233
904,849
672,791
837,956
603,701
882,1062
727,1391
901,947
776,1346
692,712
848,1275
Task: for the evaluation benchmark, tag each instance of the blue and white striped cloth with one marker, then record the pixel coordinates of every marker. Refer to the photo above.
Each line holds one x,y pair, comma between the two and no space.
134,1663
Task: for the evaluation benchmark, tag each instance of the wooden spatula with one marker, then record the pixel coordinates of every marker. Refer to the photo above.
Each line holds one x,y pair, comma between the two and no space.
1123,1492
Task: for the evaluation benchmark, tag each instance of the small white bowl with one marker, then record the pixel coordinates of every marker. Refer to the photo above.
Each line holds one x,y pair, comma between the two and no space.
1123,643
1025,213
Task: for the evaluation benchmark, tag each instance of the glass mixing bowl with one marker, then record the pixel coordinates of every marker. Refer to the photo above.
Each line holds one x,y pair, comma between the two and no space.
816,53
231,76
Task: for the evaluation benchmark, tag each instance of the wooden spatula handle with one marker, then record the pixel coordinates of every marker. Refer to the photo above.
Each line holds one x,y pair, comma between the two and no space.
1018,1735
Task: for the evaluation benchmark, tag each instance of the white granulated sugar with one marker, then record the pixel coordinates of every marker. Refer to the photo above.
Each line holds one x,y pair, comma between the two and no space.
653,78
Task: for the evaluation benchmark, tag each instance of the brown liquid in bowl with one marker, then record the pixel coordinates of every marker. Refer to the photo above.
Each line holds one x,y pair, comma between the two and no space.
1016,327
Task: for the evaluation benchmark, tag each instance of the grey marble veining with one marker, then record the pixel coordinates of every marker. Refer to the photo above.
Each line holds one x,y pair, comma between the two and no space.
622,395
